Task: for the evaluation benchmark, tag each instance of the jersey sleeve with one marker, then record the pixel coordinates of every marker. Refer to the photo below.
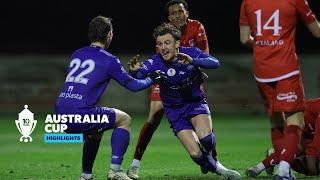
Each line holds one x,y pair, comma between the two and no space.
204,60
243,21
304,11
118,73
146,68
201,39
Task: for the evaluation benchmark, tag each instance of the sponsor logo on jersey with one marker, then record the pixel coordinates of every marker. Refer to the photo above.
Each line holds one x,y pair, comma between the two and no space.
289,97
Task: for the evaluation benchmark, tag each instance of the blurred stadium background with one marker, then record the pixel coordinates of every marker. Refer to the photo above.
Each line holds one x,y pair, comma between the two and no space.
38,37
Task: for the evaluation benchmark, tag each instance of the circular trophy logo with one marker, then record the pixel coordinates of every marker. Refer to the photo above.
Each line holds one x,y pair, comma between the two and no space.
171,72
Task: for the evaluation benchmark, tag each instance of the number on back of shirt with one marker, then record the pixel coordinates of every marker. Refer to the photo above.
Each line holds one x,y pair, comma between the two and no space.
86,67
267,26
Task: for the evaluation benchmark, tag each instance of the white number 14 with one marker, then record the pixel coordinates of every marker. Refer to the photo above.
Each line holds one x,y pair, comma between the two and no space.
266,26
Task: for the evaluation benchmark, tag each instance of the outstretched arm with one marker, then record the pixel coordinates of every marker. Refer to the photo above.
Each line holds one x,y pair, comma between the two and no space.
138,84
203,60
119,74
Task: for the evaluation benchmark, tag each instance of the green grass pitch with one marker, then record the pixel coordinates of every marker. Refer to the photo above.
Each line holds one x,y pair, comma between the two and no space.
241,143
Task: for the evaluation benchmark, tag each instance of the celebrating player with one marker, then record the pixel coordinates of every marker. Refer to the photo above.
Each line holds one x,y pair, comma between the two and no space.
193,35
183,99
277,69
89,73
306,162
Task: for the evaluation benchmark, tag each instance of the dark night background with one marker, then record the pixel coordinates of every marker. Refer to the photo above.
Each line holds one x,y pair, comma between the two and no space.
60,26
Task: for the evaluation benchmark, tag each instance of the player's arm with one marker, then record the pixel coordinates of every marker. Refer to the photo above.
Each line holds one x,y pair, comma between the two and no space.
245,36
245,31
308,17
119,74
202,60
202,40
140,71
314,28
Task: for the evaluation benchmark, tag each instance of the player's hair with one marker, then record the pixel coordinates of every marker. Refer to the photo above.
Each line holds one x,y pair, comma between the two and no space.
167,28
99,27
172,2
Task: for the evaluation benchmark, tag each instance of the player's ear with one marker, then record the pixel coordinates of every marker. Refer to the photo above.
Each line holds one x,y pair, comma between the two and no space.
177,45
187,13
110,34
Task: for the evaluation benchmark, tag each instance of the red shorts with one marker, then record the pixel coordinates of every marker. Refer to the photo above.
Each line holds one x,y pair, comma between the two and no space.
155,93
286,95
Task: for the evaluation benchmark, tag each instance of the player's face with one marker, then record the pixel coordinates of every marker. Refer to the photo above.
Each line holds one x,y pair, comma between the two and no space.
178,15
109,39
168,47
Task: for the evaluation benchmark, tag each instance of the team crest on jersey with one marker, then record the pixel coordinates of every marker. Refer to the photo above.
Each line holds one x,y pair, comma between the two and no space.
171,72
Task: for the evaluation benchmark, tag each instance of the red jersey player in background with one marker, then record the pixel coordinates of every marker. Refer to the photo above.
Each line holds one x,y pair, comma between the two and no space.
193,35
269,26
308,160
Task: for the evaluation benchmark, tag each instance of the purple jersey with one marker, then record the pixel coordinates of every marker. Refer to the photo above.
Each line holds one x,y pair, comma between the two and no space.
88,75
183,81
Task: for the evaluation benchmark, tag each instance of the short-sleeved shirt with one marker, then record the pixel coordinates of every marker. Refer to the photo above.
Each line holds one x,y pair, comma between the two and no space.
273,26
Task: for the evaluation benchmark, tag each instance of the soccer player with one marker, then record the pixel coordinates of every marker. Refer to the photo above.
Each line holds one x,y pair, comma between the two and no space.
184,101
306,162
193,35
269,26
89,72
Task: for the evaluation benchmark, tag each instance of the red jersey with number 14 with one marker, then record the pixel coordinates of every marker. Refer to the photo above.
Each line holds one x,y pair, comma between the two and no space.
273,26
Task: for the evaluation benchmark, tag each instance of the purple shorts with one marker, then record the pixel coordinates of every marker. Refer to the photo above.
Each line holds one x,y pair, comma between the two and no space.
180,116
91,128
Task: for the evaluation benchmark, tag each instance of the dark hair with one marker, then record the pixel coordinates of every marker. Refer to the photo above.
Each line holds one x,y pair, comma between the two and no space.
99,27
167,28
172,2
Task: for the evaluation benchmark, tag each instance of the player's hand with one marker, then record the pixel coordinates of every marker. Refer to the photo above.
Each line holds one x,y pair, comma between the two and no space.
184,58
135,63
158,76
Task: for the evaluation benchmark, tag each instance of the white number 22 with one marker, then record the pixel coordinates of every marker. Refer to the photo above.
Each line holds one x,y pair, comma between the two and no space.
266,26
75,64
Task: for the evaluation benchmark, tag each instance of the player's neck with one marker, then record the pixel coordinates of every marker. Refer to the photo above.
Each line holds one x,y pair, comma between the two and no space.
183,29
97,44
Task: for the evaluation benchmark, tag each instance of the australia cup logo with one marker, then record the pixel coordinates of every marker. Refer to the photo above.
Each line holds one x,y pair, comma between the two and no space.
26,124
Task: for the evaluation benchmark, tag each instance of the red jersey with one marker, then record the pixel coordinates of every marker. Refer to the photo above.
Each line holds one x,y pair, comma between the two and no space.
273,27
194,35
311,113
